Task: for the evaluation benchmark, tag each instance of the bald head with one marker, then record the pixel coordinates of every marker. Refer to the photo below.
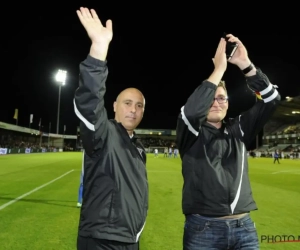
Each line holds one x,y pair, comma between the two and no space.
127,91
129,108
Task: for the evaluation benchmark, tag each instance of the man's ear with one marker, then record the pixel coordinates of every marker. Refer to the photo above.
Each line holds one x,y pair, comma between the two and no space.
115,106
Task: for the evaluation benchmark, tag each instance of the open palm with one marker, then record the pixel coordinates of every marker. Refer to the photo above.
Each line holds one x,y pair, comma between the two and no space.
93,26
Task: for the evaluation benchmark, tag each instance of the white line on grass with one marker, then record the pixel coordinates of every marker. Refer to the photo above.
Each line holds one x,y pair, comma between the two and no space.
32,191
287,171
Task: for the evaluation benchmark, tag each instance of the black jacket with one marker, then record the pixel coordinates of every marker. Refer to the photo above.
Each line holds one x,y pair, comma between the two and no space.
214,161
115,186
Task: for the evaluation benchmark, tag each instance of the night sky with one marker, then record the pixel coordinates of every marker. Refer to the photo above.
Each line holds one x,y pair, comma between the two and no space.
164,50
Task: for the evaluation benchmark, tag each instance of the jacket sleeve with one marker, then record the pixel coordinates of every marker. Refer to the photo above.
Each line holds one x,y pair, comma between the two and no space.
193,114
252,121
89,104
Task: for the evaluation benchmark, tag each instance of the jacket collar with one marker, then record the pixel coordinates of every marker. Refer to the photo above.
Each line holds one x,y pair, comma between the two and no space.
135,145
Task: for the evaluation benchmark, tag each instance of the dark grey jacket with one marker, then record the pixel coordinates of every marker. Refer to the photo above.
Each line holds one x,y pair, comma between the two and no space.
214,161
115,186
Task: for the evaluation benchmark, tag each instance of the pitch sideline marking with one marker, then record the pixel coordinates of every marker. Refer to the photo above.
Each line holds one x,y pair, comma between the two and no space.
33,190
286,171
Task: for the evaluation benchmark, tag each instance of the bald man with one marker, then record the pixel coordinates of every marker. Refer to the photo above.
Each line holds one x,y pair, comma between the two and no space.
129,108
115,186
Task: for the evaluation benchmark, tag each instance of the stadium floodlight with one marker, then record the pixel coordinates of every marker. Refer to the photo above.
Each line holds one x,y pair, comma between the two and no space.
61,77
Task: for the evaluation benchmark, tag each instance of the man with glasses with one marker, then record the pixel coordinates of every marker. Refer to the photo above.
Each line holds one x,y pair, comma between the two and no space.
217,196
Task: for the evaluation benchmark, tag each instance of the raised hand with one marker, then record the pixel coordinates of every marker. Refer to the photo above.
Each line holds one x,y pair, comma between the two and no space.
240,57
220,60
100,35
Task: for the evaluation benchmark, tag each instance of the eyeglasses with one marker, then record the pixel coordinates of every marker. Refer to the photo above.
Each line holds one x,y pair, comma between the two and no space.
221,99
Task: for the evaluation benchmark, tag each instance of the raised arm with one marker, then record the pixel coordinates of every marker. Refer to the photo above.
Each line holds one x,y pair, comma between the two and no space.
195,110
89,97
251,122
268,98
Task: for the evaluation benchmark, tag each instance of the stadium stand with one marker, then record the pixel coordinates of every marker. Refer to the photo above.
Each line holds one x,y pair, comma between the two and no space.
17,139
281,133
